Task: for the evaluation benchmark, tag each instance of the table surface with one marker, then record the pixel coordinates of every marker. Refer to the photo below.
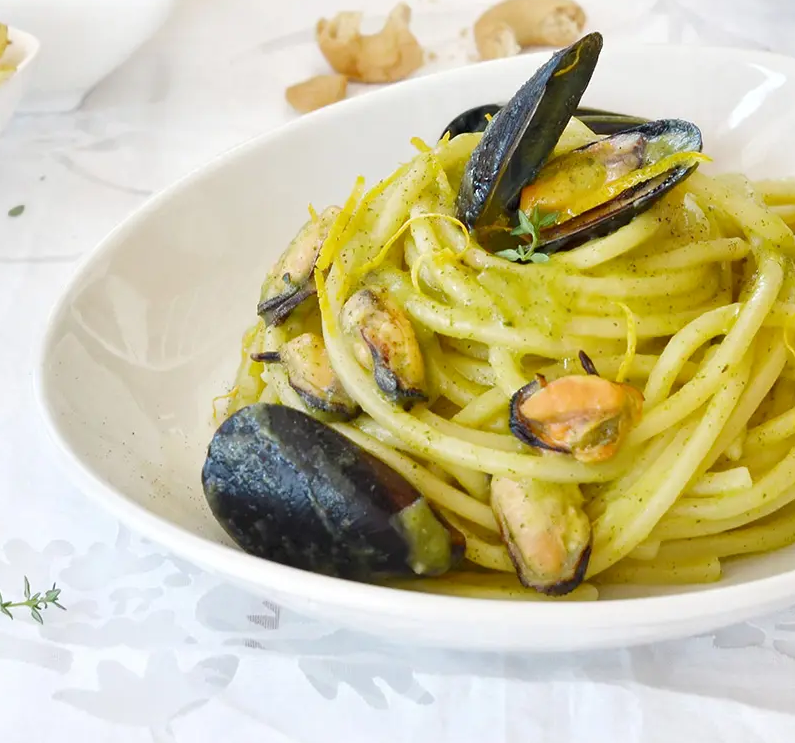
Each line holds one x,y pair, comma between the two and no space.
154,649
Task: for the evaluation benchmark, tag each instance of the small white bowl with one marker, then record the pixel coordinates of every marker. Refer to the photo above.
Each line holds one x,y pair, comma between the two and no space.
149,331
21,51
82,42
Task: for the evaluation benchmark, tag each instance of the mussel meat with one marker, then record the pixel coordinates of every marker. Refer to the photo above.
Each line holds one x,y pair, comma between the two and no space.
547,533
311,375
290,281
582,415
384,341
289,488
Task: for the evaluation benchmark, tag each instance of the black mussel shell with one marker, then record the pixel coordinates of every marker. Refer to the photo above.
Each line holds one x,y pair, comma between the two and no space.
473,120
603,122
597,120
288,488
520,138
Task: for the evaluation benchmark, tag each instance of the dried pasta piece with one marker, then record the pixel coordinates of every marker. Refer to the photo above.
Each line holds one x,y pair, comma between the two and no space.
508,27
391,54
316,92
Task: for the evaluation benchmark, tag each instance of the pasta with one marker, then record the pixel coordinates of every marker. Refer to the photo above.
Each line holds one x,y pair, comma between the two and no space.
670,480
689,303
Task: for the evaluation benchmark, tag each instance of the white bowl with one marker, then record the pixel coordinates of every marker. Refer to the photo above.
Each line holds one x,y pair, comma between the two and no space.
82,42
148,332
21,51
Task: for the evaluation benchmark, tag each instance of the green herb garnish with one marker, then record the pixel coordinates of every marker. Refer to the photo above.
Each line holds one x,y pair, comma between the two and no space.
529,227
16,211
37,603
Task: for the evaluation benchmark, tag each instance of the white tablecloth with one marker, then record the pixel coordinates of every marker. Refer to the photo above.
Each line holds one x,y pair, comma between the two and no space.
152,648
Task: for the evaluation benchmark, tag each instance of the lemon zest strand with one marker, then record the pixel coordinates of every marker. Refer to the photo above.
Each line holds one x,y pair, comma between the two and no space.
382,254
312,213
632,342
420,144
332,243
228,396
442,181
357,213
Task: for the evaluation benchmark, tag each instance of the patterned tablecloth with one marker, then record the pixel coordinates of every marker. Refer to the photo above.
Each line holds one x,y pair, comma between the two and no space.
152,648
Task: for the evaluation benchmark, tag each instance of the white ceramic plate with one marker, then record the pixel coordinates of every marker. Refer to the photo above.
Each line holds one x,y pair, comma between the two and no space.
148,332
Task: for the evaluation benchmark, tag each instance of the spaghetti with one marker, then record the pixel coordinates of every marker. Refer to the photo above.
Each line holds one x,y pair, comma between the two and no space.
688,302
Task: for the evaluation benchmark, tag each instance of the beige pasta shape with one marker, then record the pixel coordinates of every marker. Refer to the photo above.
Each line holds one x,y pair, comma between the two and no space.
391,54
508,27
316,92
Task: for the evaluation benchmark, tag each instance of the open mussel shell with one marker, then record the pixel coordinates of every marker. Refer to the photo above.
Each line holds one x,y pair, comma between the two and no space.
652,142
599,121
520,138
288,488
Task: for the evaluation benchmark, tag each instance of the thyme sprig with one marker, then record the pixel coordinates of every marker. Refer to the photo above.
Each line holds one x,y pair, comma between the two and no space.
529,226
36,602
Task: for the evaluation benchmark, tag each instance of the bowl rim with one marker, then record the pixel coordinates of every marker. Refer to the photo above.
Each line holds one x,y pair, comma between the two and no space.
29,43
750,596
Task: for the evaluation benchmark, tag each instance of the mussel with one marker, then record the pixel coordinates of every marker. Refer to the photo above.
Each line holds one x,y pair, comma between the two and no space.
519,139
582,415
547,533
310,374
384,341
602,186
291,489
586,193
290,281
